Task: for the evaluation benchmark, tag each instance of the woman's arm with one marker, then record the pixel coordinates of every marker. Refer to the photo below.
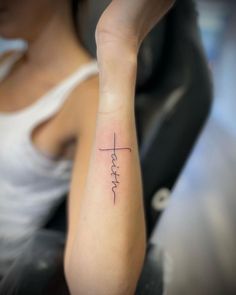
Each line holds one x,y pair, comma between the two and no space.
108,249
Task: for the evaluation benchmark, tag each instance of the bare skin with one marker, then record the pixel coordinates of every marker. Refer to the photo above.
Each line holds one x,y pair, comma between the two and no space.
112,206
47,63
106,239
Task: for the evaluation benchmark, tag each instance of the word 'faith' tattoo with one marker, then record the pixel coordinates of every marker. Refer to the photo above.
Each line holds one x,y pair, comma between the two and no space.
114,167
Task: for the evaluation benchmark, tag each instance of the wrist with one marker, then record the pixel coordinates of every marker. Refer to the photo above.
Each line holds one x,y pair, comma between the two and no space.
111,103
117,85
115,47
121,59
117,61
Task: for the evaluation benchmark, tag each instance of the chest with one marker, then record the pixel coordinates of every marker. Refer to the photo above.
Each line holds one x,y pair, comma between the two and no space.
51,134
22,85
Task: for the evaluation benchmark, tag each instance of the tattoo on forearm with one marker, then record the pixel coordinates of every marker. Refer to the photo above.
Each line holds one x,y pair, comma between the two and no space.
114,165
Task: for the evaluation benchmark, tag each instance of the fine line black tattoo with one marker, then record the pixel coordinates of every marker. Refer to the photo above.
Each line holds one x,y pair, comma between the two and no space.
114,167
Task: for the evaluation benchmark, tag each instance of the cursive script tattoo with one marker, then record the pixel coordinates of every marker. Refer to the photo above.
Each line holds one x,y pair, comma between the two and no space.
114,167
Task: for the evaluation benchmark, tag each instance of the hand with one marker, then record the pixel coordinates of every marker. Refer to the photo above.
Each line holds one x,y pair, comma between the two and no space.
125,23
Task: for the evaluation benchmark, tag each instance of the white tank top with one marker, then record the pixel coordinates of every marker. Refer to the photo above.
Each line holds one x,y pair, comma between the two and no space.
31,184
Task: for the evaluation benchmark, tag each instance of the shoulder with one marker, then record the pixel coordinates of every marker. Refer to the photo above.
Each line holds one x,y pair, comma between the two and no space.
82,105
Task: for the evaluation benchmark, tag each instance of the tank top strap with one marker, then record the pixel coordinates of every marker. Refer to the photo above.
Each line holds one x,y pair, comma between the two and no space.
7,64
63,89
55,98
53,101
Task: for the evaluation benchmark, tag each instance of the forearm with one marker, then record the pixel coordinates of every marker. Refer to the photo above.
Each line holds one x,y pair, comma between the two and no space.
108,252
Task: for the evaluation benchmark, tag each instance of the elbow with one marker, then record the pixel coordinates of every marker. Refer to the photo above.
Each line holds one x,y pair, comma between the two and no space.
133,269
130,270
106,275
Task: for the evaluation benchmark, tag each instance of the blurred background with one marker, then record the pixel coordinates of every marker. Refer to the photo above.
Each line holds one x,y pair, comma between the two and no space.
198,228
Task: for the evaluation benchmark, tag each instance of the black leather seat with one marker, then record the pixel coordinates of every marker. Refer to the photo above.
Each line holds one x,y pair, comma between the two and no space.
173,100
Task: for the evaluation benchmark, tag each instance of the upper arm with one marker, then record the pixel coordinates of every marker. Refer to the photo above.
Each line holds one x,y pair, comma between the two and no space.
86,111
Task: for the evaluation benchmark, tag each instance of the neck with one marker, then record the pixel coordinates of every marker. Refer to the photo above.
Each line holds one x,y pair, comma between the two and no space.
57,44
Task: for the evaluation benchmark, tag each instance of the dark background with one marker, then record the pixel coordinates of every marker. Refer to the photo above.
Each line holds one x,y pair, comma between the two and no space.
198,228
197,231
